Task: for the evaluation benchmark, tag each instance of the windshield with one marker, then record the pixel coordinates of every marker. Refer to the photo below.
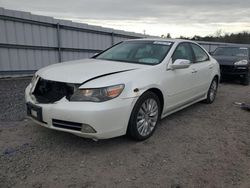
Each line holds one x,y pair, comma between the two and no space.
141,52
231,51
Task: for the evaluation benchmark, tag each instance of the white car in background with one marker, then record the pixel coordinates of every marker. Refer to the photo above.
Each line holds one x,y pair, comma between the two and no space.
126,89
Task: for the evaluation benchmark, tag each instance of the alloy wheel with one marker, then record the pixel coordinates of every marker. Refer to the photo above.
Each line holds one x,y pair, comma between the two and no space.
147,117
213,90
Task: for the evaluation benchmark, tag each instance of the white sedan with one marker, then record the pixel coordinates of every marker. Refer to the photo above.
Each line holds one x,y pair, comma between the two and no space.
126,89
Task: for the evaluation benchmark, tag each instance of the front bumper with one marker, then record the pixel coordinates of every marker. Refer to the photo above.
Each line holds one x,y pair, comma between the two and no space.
109,119
234,70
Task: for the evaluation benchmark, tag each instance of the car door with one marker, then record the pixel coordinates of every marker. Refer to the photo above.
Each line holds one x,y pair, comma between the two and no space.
178,83
202,68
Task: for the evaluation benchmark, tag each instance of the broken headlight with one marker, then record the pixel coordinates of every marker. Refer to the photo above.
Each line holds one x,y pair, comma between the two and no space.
97,94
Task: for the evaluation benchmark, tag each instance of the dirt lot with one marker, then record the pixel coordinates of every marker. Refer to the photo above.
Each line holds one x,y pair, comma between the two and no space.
201,146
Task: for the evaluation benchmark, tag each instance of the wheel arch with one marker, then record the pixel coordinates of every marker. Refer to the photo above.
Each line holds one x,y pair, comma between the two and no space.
159,94
217,78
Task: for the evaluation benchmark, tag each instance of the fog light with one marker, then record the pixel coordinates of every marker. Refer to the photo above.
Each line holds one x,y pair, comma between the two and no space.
241,68
88,129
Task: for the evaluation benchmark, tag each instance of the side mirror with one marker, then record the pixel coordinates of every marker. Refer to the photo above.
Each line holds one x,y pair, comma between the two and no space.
211,53
180,64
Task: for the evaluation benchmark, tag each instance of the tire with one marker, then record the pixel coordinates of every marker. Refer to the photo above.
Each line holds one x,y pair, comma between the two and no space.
142,124
245,80
211,94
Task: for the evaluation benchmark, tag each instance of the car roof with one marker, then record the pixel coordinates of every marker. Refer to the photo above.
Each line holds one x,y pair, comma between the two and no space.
233,47
161,39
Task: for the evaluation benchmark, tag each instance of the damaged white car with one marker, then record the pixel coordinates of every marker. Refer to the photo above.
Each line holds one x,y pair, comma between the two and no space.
126,89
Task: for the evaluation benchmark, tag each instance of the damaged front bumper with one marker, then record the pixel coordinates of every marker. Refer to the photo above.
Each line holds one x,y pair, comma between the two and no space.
86,119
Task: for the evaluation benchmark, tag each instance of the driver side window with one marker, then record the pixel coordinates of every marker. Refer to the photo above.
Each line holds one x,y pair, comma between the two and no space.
183,51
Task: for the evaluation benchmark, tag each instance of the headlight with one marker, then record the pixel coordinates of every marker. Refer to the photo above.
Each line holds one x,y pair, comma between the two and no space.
97,94
242,62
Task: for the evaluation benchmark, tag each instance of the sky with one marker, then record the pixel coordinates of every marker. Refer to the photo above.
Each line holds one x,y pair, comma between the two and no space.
154,17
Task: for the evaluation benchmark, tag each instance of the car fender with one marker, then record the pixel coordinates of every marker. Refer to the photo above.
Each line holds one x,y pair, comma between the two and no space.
136,81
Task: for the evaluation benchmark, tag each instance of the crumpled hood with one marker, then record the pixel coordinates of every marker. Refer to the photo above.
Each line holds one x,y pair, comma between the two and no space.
83,70
228,60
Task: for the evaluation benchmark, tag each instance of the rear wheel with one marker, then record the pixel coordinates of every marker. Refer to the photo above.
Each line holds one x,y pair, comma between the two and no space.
144,117
211,94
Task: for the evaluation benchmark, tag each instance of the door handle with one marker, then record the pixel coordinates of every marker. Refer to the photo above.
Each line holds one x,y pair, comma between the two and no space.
194,71
210,66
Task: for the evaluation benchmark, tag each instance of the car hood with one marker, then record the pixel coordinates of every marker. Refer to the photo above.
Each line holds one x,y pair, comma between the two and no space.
228,60
81,71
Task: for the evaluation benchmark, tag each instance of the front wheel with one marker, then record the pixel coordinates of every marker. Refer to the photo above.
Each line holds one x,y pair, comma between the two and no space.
144,117
245,80
211,94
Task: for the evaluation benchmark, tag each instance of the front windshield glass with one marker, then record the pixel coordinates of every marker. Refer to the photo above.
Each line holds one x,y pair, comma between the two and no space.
231,51
141,52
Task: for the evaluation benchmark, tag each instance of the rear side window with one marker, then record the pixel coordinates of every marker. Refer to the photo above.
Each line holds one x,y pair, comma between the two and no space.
183,51
199,54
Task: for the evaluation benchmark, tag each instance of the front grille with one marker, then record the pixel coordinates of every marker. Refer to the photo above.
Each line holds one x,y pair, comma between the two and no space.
67,125
47,91
227,68
230,69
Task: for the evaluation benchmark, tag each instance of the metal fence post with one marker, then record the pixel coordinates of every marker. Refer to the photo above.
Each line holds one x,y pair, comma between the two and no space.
59,42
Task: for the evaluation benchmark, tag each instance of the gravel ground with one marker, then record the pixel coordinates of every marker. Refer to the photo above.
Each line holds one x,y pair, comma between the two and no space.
201,146
12,105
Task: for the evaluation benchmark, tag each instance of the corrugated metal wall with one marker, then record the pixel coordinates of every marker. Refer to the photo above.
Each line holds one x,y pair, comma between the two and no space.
29,42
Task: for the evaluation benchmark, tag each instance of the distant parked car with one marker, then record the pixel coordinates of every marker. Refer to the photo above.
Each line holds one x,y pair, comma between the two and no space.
234,62
123,90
